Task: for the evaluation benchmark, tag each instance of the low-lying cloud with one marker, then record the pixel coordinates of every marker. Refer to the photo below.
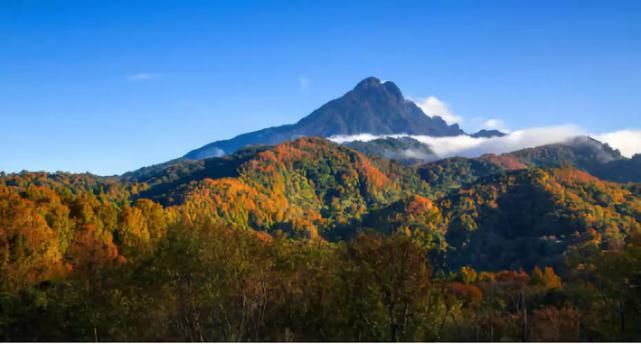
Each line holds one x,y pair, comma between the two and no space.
627,141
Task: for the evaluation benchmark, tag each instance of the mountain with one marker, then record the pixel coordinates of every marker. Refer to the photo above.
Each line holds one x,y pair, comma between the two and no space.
588,154
583,152
536,216
516,219
171,182
405,150
488,133
372,107
308,185
452,173
621,170
465,209
284,236
533,206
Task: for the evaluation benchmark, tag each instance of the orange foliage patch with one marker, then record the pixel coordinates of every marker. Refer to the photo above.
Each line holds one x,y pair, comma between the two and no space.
471,294
418,204
505,161
373,175
573,175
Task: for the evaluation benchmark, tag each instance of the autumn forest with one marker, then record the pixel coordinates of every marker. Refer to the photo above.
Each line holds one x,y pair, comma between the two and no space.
309,240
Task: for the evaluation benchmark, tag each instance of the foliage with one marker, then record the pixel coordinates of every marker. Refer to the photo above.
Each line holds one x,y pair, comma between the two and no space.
312,241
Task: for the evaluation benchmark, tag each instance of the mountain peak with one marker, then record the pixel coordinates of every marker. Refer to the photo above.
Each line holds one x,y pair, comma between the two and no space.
487,133
372,107
368,82
373,87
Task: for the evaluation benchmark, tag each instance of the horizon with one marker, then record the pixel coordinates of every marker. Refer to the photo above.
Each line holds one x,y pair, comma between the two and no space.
106,89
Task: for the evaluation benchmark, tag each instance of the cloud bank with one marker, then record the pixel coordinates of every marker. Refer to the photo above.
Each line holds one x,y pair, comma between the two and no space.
627,141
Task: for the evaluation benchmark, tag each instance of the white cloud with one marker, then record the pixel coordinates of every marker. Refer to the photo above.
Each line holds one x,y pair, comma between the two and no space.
494,123
143,76
468,146
472,147
416,154
304,82
628,142
361,137
433,106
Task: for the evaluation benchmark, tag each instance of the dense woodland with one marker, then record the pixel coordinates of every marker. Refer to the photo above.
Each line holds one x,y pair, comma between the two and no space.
309,240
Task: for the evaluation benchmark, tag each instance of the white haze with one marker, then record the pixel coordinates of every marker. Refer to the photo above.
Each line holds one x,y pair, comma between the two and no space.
627,141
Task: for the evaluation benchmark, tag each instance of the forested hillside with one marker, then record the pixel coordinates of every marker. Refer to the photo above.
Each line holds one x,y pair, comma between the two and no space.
583,153
310,240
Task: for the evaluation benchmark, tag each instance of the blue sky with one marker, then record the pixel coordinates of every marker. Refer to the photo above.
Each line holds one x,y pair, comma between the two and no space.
110,86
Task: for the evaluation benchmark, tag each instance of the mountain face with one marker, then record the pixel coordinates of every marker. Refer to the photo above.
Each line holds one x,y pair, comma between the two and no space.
308,186
488,133
584,153
622,170
169,183
372,107
405,150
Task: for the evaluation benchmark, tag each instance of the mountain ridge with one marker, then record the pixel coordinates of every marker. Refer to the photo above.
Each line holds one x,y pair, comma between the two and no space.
372,107
583,153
